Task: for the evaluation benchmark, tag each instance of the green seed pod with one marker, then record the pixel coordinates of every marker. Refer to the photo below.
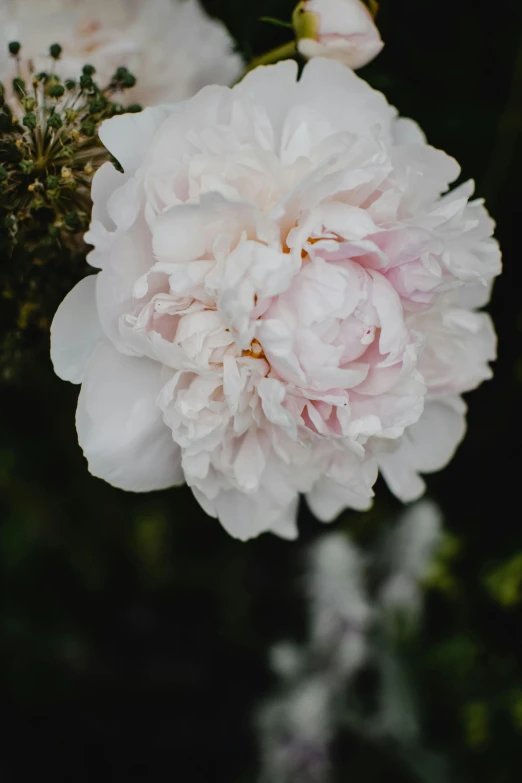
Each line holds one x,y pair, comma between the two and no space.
30,120
89,128
97,106
86,83
55,121
55,51
56,90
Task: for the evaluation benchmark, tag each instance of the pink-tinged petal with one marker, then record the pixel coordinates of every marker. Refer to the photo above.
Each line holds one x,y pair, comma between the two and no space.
425,447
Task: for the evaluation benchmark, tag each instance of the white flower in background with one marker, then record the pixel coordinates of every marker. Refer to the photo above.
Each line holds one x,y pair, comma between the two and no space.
341,29
295,731
273,261
409,551
340,609
171,46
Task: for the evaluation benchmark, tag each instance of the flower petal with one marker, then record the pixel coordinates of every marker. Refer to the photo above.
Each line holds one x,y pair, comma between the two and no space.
425,447
75,331
120,427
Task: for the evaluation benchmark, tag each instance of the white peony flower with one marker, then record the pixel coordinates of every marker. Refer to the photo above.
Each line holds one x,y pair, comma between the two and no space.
273,260
171,46
341,29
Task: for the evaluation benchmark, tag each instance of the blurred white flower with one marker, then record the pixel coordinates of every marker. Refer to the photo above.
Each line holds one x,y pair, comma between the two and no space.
339,605
409,550
273,260
171,46
341,29
295,731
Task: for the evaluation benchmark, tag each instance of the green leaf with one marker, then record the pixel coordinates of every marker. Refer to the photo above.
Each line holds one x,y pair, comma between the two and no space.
276,22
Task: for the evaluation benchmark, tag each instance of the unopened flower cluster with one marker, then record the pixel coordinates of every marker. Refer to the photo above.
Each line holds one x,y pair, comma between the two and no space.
49,151
287,300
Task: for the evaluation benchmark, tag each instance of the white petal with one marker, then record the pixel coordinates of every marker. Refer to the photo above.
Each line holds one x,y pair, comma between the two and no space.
326,84
271,87
286,525
129,136
120,426
106,180
75,331
241,515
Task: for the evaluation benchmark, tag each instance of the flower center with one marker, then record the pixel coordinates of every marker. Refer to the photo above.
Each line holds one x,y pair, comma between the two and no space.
256,351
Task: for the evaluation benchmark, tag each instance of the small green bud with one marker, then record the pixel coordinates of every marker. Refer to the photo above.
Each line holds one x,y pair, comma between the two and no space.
56,90
120,73
70,84
28,104
55,121
42,77
128,81
26,166
14,48
70,115
86,83
134,108
52,181
3,174
89,127
89,70
72,221
55,51
30,120
97,106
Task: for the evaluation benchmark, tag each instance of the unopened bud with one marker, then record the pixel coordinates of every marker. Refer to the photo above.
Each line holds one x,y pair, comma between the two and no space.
342,30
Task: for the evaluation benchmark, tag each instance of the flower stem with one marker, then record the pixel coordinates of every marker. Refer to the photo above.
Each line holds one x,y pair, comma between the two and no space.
283,52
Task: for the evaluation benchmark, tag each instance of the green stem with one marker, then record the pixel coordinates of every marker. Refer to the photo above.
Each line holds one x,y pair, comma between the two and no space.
279,53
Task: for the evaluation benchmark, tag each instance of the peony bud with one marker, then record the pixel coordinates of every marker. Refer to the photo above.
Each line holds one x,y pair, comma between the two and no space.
339,29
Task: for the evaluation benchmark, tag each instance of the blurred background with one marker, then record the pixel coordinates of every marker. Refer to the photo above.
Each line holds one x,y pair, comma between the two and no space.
135,634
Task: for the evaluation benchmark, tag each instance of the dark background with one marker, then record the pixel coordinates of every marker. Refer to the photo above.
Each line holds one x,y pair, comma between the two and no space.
134,632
